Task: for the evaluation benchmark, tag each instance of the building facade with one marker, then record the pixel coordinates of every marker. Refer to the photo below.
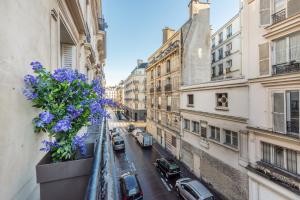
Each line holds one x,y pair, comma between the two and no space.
120,94
135,93
214,110
111,93
58,34
271,50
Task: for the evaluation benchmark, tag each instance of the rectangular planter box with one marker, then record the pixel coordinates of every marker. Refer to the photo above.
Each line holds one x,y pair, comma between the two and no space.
64,180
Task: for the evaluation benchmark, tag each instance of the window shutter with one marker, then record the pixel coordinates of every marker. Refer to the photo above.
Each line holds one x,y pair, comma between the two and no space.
264,59
293,7
68,55
265,12
278,112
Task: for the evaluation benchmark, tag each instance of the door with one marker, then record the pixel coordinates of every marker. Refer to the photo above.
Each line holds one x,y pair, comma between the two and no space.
135,116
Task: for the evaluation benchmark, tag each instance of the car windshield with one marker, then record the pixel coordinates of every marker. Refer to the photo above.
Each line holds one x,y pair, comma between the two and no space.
131,185
210,198
119,142
173,166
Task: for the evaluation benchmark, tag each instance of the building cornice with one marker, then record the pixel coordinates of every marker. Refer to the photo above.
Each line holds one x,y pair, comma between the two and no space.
225,25
217,116
285,79
75,10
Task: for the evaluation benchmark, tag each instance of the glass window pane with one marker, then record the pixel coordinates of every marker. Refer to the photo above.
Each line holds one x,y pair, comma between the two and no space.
234,139
280,51
227,137
295,47
292,109
291,161
278,156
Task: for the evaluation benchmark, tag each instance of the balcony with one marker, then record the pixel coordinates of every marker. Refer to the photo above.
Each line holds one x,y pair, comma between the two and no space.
286,68
158,89
279,16
168,108
102,24
158,106
151,90
220,56
152,105
168,87
227,53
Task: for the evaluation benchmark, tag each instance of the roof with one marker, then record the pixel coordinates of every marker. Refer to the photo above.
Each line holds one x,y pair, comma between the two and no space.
203,191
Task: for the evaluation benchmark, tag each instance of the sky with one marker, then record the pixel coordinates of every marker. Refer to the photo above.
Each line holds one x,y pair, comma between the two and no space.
135,29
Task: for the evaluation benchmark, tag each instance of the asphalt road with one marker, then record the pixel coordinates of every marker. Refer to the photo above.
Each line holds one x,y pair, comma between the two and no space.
154,185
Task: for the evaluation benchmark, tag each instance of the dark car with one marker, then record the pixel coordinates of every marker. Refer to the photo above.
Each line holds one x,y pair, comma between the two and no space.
130,187
168,167
131,127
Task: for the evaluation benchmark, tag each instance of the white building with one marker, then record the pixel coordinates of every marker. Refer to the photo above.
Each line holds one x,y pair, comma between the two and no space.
226,50
214,111
135,93
271,51
111,93
58,33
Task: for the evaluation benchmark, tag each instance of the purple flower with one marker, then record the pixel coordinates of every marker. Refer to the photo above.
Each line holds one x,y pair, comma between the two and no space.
79,142
29,94
46,117
74,113
62,125
29,80
64,74
36,66
97,87
49,145
38,123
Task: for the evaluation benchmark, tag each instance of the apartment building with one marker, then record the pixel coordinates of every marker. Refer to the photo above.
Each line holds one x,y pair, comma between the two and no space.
59,33
135,93
271,50
226,50
214,110
120,93
111,92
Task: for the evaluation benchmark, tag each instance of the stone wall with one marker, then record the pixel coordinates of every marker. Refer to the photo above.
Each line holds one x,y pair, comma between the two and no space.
230,182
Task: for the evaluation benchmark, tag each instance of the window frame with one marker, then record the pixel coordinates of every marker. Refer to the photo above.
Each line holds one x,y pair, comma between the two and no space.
230,133
190,103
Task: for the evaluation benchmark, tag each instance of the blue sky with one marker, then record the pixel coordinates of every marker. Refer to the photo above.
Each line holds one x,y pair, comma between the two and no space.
135,29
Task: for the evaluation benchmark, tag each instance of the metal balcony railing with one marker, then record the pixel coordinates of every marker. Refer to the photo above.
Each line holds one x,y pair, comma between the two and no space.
279,16
168,87
168,108
158,89
151,90
102,24
286,68
158,106
227,53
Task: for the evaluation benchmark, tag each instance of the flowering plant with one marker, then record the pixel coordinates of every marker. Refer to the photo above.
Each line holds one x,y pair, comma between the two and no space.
68,102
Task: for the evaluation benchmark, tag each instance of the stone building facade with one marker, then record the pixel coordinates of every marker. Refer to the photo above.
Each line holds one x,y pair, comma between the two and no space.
58,33
111,92
135,93
271,50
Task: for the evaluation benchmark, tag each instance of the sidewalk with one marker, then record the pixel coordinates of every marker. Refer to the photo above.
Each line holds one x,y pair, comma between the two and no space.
185,172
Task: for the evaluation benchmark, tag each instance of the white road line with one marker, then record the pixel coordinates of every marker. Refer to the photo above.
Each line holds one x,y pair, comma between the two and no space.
165,184
170,186
133,167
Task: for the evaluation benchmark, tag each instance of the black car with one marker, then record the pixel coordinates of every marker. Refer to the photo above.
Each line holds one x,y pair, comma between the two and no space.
131,127
130,187
168,167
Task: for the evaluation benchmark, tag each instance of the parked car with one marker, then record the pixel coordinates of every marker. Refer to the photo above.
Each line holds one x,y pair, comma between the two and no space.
118,143
192,190
114,134
144,139
130,187
131,127
113,130
167,166
135,133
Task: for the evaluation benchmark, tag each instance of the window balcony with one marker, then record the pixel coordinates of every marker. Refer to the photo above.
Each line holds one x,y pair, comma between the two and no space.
158,89
220,57
227,53
286,68
279,16
158,106
151,90
168,108
168,87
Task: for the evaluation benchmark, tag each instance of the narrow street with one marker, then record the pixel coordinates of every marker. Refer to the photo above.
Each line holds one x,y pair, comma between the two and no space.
154,185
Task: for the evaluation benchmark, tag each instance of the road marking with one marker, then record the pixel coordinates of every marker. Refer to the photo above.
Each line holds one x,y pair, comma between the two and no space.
165,184
170,186
133,167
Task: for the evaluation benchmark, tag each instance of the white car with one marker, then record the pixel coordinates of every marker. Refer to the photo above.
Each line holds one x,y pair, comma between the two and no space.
136,132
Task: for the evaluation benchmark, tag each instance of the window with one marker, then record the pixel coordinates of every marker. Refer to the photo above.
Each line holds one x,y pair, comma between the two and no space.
158,71
266,152
222,100
221,69
152,74
213,57
287,49
286,112
195,127
231,138
220,37
229,31
220,53
279,5
168,66
213,42
174,141
214,72
280,157
190,99
229,63
203,125
186,124
68,55
215,133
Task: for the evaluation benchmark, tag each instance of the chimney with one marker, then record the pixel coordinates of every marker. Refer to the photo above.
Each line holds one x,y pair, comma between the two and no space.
167,34
195,6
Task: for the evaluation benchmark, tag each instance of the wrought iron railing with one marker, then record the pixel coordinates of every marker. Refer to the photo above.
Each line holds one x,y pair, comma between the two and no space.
286,68
168,108
151,90
158,89
102,24
279,16
168,87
